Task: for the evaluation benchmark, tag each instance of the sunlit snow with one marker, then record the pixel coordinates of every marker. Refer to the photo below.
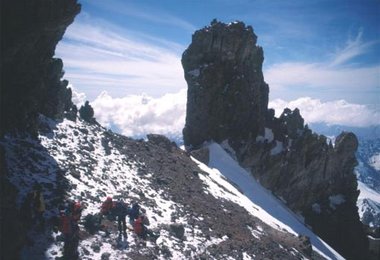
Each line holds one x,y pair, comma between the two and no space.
223,170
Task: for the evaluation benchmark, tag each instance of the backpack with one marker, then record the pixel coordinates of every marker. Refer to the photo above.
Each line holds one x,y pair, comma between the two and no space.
120,208
134,212
92,223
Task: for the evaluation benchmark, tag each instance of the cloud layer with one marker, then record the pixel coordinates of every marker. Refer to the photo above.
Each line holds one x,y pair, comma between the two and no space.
138,115
338,112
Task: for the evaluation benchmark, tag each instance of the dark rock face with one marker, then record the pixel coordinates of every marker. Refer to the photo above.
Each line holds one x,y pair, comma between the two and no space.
30,84
316,180
12,226
30,76
313,177
223,69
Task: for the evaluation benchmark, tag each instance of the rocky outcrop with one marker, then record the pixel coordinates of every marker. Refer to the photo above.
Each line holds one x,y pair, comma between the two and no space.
222,68
30,76
86,112
227,99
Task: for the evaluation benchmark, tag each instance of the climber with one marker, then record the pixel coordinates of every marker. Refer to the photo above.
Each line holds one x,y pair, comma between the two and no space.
139,227
70,231
34,207
106,208
76,211
121,210
134,212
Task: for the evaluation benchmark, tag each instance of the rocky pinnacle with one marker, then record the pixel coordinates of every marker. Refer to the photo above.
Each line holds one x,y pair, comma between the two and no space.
227,96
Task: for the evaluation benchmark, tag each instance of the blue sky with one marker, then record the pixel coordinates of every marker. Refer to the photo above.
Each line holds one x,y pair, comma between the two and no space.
324,50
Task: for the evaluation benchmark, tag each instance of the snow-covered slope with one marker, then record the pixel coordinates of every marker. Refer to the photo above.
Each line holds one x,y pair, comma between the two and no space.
369,205
368,173
81,161
226,172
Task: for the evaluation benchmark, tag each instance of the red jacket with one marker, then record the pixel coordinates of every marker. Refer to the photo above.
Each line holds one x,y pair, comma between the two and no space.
106,207
65,224
138,226
77,211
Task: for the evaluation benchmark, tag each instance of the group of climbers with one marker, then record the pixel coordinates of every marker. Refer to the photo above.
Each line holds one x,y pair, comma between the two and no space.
70,214
119,210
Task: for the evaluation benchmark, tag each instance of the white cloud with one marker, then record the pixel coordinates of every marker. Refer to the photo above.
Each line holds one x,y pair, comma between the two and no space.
332,75
78,98
138,115
354,47
98,57
334,112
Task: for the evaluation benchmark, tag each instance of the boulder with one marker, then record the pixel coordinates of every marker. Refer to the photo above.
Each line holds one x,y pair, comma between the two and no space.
177,230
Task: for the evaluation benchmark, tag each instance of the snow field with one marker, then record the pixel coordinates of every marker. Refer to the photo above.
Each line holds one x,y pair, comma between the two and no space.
223,170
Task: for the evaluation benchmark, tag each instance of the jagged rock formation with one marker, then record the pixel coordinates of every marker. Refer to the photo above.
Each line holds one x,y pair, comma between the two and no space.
223,67
227,99
30,76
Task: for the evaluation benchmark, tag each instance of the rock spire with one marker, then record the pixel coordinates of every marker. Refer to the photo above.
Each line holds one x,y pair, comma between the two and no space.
223,69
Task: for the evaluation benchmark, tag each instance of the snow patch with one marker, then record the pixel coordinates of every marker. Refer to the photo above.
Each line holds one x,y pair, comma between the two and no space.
316,208
277,149
374,161
194,73
336,200
268,136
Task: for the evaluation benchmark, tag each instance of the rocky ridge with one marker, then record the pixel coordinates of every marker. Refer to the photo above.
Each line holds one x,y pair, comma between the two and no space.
83,161
227,100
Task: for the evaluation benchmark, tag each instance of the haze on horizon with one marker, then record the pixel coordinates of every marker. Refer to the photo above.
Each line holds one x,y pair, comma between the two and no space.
125,57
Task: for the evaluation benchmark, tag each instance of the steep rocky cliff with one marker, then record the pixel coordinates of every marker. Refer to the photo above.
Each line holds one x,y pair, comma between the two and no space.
31,79
227,99
222,67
